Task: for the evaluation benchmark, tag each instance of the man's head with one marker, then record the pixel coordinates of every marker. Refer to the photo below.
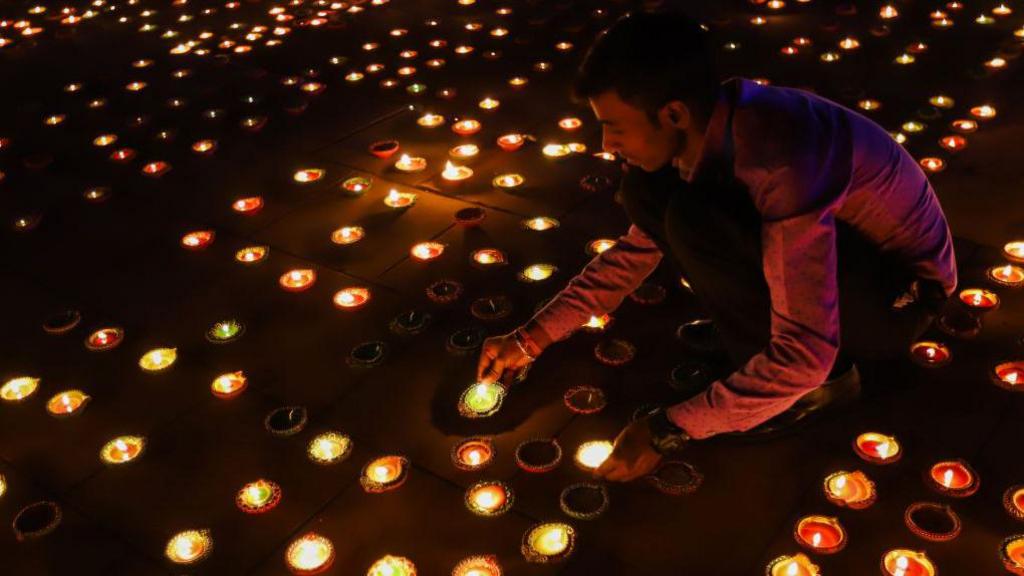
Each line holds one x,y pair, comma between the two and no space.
652,83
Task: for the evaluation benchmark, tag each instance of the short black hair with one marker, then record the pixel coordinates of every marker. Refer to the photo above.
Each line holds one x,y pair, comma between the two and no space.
650,59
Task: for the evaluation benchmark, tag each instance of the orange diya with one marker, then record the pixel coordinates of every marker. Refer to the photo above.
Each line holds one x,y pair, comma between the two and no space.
258,497
478,566
396,199
489,498
247,206
466,127
901,562
852,490
473,454
297,280
348,235
67,403
1009,275
930,354
384,474
1014,251
821,534
251,254
122,449
229,385
197,240
1012,553
1009,375
1013,501
353,297
796,565
953,478
427,250
979,299
511,142
877,448
454,173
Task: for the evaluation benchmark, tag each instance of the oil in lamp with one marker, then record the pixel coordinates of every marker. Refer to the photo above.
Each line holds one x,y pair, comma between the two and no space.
249,205
489,498
67,403
930,354
902,562
478,566
297,280
852,490
352,297
796,565
392,566
329,448
453,173
540,223
954,478
410,164
1009,275
384,474
104,339
511,142
356,185
473,454
18,389
590,455
229,385
122,449
427,250
466,127
537,272
158,359
311,553
258,497
307,175
979,299
548,542
877,448
481,400
348,235
820,534
251,254
507,181
197,240
189,547
396,199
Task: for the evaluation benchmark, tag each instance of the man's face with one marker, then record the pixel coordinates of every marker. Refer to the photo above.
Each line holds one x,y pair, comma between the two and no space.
629,132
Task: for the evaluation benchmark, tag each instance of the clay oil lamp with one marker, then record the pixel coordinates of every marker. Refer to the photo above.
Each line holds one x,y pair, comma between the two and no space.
384,149
308,175
953,478
615,352
540,223
351,298
354,76
984,112
675,478
356,185
197,240
466,127
489,498
225,331
489,257
258,497
796,565
204,147
410,164
1009,375
104,140
251,254
473,454
426,250
481,400
556,150
934,522
1013,501
930,354
396,199
598,246
584,501
62,322
464,151
3,485
877,448
454,173
590,455
1014,251
94,195
247,206
104,339
511,142
852,490
18,389
122,155
384,474
36,520
67,403
297,280
979,300
518,81
508,181
536,273
478,566
410,323
470,217
156,169
538,455
1009,275
902,562
430,120
229,385
348,235
122,449
933,165
869,105
964,126
820,534
584,399
311,553
189,547
446,291
329,448
953,143
548,542
1011,551
286,421
489,104
597,323
158,359
570,124
491,307
392,566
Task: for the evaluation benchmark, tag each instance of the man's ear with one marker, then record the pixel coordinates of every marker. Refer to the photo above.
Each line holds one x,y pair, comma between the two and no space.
675,114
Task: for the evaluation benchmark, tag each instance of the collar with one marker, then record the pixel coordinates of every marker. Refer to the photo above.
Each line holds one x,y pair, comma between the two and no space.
716,151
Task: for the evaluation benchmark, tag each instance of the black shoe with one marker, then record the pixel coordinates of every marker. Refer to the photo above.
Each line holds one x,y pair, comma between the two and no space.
837,392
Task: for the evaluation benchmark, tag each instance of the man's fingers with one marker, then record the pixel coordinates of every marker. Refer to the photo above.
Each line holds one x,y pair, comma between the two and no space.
487,355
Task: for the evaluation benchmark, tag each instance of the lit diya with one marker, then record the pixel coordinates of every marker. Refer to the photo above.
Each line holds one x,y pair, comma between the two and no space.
539,455
983,112
204,146
430,120
392,566
122,155
1009,375
934,522
877,448
463,151
258,497
348,235
598,246
427,250
1014,251
410,163
158,359
902,562
796,565
584,399
964,126
930,354
249,205
481,400
1009,275
251,254
570,124
933,165
466,127
384,474
454,173
508,181
487,257
540,223
197,240
307,175
396,199
356,185
953,143
1012,553
310,553
590,455
122,449
953,478
511,142
548,542
478,566
489,498
536,273
556,150
352,297
489,103
67,403
384,149
297,280
473,454
1013,501
229,385
225,331
156,169
329,448
3,485
584,501
820,534
597,323
189,547
979,299
852,490
104,339
18,389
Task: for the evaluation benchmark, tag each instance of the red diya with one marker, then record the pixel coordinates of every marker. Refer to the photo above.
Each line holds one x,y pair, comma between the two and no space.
251,254
930,354
466,127
122,155
197,240
258,497
1013,501
953,478
1012,553
964,126
934,522
933,165
511,142
384,474
570,124
489,498
104,339
983,112
353,297
307,175
384,149
979,299
1009,375
877,448
229,385
538,455
1014,251
478,566
953,143
1009,275
247,206
487,257
473,454
902,562
156,169
852,490
821,534
297,280
427,250
67,403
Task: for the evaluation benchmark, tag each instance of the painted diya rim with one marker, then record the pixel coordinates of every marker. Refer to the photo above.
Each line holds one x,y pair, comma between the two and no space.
51,516
675,487
500,307
400,327
275,498
770,570
384,149
212,338
1009,563
594,394
991,297
202,533
875,458
649,294
996,375
444,291
371,486
118,337
1009,502
576,509
968,490
483,441
471,216
539,466
990,274
615,352
505,507
913,522
484,562
376,351
858,505
347,446
290,430
349,185
326,565
829,520
534,557
930,568
62,322
475,337
86,398
466,412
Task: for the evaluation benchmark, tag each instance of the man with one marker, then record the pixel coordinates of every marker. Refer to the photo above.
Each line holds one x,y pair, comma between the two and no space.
809,236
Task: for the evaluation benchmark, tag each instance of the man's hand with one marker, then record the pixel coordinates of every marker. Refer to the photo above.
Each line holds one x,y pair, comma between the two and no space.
633,455
498,355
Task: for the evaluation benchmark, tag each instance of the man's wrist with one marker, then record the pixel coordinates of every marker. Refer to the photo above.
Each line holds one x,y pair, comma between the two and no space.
527,344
